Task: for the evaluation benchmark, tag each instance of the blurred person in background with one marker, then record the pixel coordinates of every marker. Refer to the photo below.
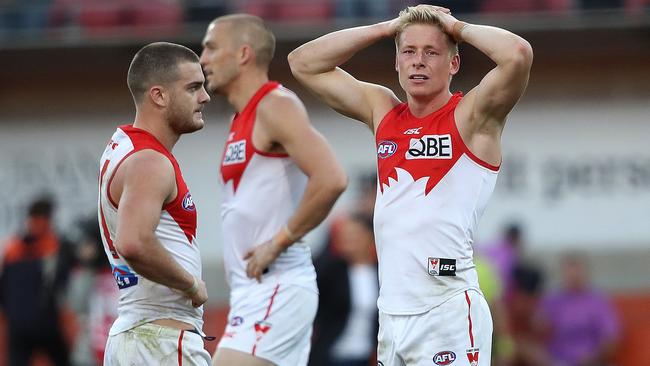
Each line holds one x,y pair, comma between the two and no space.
581,324
504,254
93,295
33,279
148,218
279,180
346,323
523,309
438,157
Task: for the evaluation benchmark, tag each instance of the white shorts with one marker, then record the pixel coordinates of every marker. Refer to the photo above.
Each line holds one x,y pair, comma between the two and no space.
152,344
458,333
273,323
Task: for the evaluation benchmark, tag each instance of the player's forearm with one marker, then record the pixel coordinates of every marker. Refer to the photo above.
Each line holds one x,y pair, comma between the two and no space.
331,50
500,45
151,260
320,195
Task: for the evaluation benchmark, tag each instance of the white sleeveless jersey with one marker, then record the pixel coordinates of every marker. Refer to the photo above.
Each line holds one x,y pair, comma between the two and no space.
142,300
260,193
432,193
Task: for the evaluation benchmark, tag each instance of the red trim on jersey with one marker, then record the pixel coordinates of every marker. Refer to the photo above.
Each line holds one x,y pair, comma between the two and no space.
185,218
180,348
470,154
241,129
469,318
110,180
105,233
266,316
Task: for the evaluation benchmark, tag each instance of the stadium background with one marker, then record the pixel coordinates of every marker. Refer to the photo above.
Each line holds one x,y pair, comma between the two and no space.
576,171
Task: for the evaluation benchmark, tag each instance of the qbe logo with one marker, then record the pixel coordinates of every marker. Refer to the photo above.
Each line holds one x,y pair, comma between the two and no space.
386,149
430,147
444,358
235,153
188,202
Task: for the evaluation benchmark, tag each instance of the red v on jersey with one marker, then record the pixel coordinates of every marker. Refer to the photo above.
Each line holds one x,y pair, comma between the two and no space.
424,147
239,148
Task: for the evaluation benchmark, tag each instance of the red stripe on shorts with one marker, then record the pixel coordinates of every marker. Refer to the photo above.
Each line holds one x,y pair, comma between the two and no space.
469,317
180,348
268,312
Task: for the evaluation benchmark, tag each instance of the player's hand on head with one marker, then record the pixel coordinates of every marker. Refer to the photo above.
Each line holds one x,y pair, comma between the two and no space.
260,258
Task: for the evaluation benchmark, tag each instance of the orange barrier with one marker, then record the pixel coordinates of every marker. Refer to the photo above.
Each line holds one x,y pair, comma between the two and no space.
633,310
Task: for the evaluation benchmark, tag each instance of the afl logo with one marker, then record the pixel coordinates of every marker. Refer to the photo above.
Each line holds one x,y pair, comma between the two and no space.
188,203
236,321
444,358
386,149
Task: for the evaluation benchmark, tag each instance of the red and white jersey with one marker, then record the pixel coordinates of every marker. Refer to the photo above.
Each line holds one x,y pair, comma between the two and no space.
432,192
260,192
142,300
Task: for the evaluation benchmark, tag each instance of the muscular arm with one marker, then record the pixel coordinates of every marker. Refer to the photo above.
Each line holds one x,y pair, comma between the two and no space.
315,65
148,181
308,149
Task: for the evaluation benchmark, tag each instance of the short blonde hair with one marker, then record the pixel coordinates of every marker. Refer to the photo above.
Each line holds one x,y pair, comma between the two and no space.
422,14
251,30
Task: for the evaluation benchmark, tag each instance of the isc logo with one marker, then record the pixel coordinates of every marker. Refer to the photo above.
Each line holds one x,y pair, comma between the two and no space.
430,147
386,149
444,358
235,153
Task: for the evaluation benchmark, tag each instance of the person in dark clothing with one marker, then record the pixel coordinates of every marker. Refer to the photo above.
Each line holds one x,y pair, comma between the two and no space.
33,276
346,322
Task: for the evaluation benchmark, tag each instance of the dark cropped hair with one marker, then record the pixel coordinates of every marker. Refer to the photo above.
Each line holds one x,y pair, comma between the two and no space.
156,64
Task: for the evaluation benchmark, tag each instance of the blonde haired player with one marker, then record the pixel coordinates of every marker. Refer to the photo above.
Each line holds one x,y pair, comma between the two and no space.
438,157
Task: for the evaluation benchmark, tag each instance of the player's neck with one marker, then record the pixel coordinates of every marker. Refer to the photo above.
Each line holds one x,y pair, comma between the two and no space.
422,107
157,127
244,88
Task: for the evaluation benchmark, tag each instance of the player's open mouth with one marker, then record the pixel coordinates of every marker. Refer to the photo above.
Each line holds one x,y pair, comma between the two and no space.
418,77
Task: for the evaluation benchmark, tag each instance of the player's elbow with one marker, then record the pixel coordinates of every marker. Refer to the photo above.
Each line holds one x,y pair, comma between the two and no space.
297,64
522,54
130,249
339,182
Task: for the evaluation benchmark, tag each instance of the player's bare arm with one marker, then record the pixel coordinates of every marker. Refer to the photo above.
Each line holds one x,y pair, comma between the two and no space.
142,185
316,65
481,115
308,149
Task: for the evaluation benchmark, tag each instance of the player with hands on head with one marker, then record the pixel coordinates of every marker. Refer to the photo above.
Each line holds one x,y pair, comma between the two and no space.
438,156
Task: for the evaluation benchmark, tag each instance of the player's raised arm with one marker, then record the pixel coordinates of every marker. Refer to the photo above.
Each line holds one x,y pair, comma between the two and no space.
311,153
316,65
147,181
488,104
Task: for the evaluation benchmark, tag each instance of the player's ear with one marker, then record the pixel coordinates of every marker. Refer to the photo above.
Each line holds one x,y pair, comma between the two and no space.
246,54
158,96
455,64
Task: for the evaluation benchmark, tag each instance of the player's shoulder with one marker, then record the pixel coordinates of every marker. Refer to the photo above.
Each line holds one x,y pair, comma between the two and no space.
280,103
148,162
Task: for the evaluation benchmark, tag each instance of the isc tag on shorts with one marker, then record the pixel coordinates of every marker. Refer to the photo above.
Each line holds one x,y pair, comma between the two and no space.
441,266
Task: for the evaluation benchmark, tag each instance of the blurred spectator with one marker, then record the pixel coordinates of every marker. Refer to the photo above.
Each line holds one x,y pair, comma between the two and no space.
458,6
526,6
34,274
504,254
346,324
93,295
492,288
600,4
523,316
583,327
